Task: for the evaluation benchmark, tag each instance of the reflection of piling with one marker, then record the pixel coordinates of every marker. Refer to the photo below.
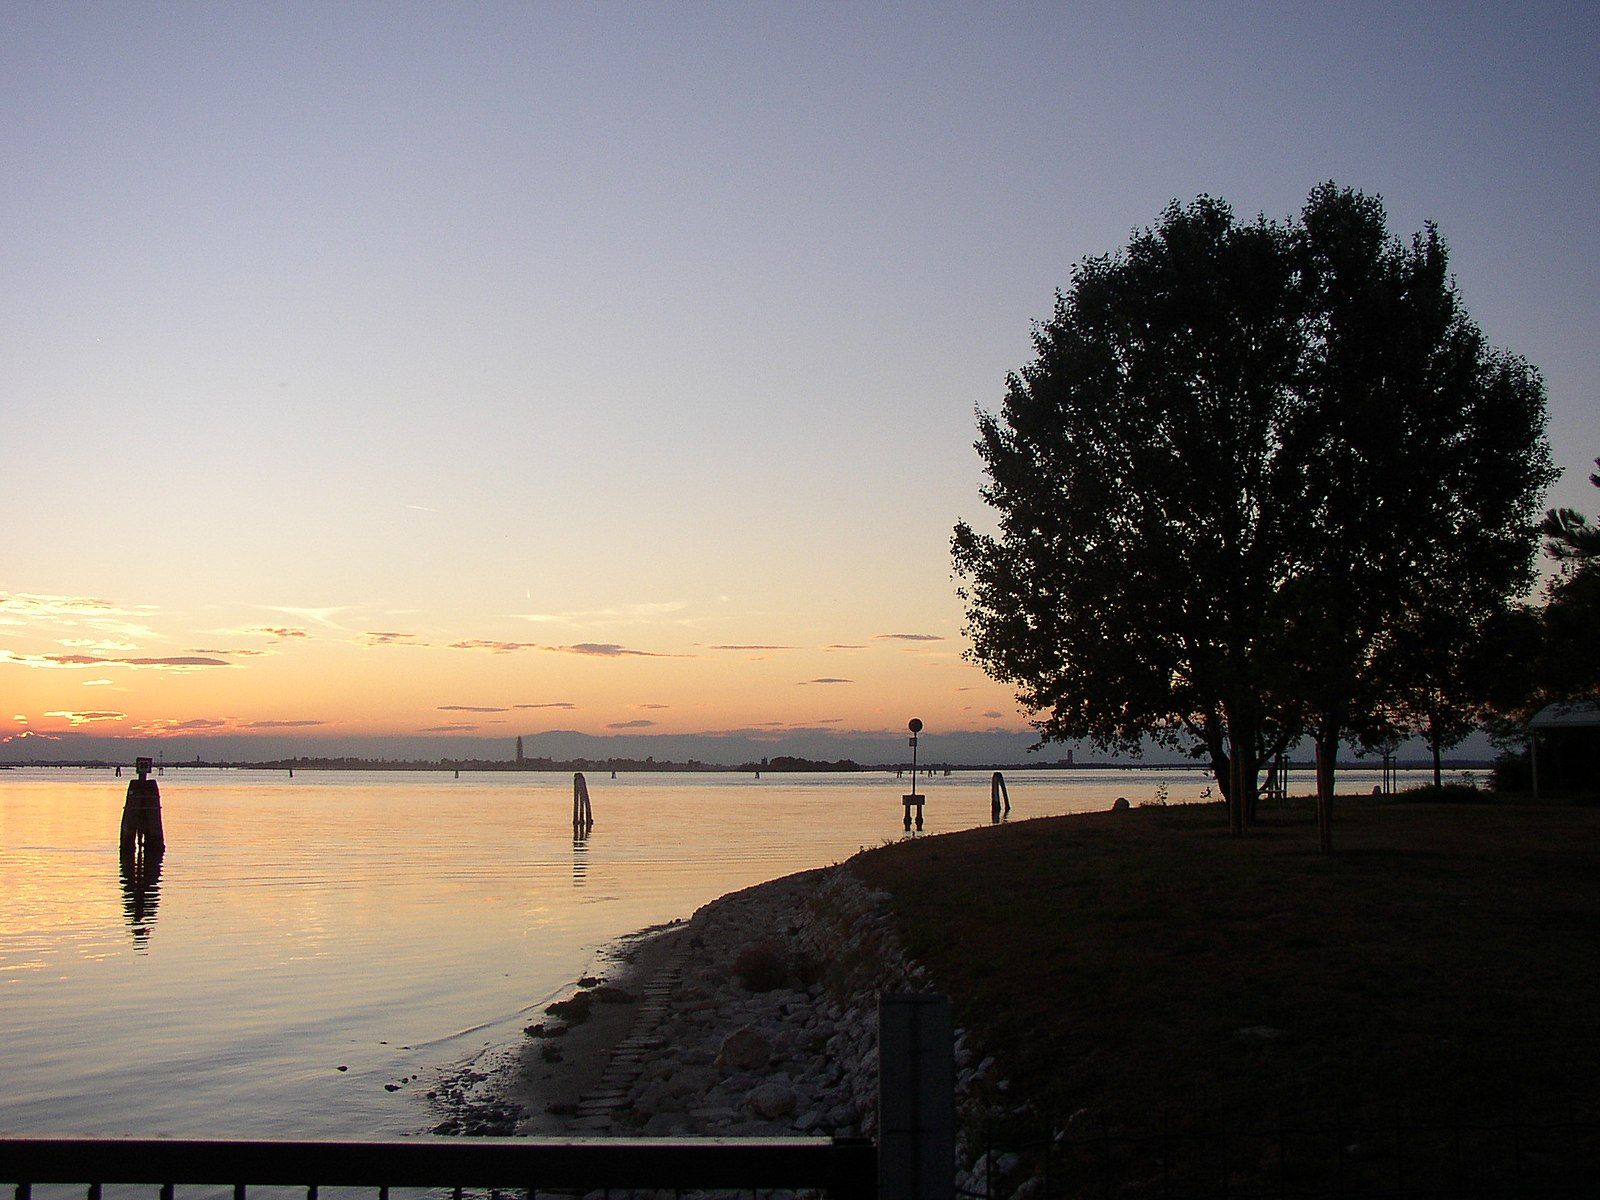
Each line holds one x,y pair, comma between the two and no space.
582,813
580,853
998,796
141,814
141,879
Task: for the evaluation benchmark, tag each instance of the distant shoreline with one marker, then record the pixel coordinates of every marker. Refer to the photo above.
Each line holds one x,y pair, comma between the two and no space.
634,766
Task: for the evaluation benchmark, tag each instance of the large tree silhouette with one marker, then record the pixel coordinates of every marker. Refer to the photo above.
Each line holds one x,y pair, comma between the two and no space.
1246,463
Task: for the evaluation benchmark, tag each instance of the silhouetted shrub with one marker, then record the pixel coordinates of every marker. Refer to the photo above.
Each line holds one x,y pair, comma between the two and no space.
1450,793
1512,772
761,966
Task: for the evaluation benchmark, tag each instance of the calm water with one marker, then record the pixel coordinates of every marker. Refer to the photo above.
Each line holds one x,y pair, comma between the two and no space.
395,924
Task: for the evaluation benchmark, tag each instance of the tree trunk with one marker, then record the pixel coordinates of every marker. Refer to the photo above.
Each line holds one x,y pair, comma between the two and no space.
1327,762
1433,744
1244,765
1218,752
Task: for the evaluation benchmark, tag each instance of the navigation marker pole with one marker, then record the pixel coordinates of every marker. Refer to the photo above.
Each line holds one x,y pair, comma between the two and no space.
914,800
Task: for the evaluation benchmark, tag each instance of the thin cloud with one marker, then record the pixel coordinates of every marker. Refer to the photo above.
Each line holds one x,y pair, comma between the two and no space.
179,660
422,508
824,679
87,718
447,728
282,724
97,683
993,715
23,608
844,646
30,735
95,644
278,631
165,728
74,661
652,706
322,616
242,653
639,724
727,647
475,708
492,646
907,637
388,637
608,650
629,613
29,604
551,704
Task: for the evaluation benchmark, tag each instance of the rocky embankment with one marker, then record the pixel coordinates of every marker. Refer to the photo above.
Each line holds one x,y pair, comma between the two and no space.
758,1017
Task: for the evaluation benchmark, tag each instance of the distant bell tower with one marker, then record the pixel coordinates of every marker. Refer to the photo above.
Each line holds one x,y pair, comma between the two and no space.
519,750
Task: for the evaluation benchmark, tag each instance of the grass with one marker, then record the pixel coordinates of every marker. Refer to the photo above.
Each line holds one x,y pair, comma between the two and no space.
1443,964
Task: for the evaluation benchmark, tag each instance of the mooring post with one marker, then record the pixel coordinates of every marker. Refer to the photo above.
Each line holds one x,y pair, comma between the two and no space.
916,1097
582,812
141,813
998,795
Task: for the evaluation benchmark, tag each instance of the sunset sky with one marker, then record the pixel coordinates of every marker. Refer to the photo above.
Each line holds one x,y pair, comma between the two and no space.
416,369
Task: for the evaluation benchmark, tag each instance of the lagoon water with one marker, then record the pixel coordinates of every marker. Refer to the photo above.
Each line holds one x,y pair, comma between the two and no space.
396,924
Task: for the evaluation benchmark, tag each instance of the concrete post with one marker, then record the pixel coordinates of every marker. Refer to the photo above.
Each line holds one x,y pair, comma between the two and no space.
916,1098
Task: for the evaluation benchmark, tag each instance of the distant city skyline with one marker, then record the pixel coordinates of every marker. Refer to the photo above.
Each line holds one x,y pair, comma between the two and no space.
423,372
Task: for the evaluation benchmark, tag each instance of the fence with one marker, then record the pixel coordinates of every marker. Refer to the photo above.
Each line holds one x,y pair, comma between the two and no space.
1289,1161
915,1162
843,1168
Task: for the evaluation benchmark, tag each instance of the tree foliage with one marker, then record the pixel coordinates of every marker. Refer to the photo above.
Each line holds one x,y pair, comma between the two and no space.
1252,473
1570,657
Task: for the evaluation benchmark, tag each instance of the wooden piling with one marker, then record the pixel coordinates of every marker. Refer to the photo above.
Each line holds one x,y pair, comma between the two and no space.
582,812
141,814
998,795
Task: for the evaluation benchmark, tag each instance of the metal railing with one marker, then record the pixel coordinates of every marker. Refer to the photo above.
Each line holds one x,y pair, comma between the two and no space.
844,1168
914,1162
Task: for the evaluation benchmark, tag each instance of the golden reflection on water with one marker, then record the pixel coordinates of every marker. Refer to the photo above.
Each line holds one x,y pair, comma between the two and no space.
390,923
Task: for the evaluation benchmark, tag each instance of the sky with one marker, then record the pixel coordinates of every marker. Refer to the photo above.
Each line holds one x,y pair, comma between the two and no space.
412,371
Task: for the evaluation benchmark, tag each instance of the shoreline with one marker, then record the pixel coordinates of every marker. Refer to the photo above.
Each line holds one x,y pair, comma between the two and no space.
557,1060
757,1016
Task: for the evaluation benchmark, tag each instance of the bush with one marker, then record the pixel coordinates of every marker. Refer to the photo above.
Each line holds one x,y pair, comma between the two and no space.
1450,793
762,967
1512,772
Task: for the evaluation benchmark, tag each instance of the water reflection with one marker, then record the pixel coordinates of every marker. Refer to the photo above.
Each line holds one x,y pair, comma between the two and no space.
580,851
141,889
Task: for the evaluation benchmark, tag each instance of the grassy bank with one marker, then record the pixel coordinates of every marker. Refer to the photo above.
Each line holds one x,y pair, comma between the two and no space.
1143,967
